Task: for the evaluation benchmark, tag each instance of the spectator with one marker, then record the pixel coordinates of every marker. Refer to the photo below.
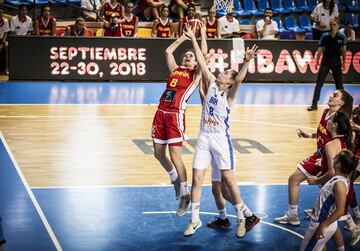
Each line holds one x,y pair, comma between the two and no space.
229,26
2,238
149,8
212,24
21,24
129,25
110,14
91,9
348,31
267,28
191,20
76,30
4,30
45,24
178,8
163,26
332,45
321,16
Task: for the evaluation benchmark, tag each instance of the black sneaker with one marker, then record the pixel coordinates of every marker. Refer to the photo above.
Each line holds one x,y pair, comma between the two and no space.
219,223
251,221
312,108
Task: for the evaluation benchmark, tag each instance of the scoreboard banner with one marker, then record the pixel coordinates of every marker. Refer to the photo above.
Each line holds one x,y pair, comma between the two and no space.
129,59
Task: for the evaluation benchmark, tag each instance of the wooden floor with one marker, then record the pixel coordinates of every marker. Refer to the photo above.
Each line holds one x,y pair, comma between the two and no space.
86,145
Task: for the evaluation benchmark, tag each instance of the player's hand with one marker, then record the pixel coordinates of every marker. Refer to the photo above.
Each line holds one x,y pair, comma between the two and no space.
343,67
251,53
320,231
302,134
316,66
312,180
202,29
188,32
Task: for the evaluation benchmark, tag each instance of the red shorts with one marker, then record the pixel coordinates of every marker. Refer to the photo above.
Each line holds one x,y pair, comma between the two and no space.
108,32
308,167
168,128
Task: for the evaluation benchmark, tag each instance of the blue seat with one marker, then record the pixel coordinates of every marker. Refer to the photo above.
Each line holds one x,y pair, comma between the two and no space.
354,18
303,4
249,6
312,5
245,22
17,3
341,6
308,36
276,5
238,11
305,23
289,4
290,24
279,23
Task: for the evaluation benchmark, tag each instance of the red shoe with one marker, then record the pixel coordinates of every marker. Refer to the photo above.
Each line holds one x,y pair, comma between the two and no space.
219,223
251,221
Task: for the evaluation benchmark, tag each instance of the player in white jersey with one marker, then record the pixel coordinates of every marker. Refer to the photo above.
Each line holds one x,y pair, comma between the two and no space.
330,204
214,142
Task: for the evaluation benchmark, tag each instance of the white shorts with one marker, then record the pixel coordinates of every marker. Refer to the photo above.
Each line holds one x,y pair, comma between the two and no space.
214,149
310,242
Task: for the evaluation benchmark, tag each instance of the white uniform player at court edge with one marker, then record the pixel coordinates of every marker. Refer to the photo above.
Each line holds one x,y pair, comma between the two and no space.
214,142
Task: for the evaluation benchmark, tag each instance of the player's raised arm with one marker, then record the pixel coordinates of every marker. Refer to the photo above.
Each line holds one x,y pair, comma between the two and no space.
249,54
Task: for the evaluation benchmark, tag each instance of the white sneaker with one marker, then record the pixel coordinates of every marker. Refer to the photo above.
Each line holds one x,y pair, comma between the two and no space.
192,227
184,205
309,213
355,236
241,230
288,219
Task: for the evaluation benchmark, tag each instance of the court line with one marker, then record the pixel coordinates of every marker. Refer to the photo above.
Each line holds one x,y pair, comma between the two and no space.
31,195
232,216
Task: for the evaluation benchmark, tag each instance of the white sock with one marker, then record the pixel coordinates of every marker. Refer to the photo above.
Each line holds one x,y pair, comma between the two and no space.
246,210
222,214
293,209
342,248
173,175
184,190
350,223
239,212
356,212
195,211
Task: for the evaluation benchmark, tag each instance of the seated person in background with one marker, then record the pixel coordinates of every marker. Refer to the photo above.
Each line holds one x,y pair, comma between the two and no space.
348,31
212,24
129,25
229,26
163,26
77,29
4,30
149,8
178,7
267,28
191,20
91,8
45,24
21,24
110,14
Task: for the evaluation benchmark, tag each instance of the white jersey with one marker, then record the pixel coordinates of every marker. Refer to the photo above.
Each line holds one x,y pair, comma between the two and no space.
215,112
325,203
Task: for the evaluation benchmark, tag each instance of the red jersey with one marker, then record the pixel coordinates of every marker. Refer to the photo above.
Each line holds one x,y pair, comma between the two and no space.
163,29
179,87
211,28
109,10
142,5
74,33
323,136
193,23
187,2
45,28
128,28
324,163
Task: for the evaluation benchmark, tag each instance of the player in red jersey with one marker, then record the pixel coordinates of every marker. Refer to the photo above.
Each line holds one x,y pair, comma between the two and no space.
129,25
340,100
212,25
178,7
149,8
110,14
45,24
168,126
77,29
191,20
163,26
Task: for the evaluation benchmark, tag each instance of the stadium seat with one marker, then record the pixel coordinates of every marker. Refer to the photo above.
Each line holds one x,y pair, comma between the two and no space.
290,24
353,6
99,32
279,23
276,6
144,32
354,18
308,36
305,23
249,6
89,33
290,4
245,22
60,32
303,4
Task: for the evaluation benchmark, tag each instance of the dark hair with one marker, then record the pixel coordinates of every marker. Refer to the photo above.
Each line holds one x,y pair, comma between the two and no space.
164,7
348,102
43,7
343,127
331,7
349,22
22,6
347,160
268,9
190,6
